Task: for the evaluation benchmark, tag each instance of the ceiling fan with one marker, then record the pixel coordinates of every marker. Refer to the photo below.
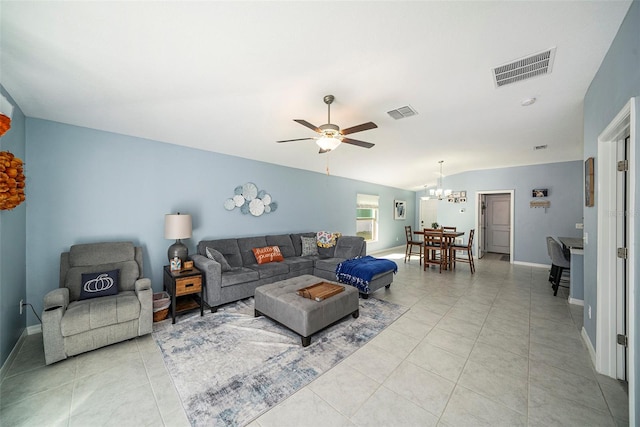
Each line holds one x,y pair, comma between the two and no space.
330,135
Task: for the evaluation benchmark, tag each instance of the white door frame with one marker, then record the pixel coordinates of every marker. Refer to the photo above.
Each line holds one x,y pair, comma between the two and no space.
511,216
606,320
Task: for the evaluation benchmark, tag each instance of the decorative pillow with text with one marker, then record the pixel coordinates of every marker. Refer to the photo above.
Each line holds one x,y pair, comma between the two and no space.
267,254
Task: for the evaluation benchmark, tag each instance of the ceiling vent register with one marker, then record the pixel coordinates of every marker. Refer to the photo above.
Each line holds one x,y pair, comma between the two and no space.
525,68
402,112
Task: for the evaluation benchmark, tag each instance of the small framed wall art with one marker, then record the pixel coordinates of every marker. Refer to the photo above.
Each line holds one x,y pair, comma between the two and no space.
399,209
589,182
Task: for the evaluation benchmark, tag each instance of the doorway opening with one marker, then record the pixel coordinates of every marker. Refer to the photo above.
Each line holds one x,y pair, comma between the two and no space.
494,223
615,313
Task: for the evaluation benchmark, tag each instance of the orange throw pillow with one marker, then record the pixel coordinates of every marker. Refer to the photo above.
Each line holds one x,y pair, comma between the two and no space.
267,254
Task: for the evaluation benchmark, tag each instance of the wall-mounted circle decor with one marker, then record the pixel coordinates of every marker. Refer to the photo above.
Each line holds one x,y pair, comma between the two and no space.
11,181
250,200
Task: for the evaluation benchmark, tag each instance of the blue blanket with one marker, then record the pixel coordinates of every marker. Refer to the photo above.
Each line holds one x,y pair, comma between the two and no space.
358,272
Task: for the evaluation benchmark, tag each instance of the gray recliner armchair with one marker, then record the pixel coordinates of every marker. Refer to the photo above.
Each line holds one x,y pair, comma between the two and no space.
72,325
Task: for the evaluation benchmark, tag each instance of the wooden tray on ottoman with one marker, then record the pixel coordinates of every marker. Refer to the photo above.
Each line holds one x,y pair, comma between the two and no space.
320,291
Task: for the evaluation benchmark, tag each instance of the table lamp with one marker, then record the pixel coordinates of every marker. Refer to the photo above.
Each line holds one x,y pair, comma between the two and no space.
177,226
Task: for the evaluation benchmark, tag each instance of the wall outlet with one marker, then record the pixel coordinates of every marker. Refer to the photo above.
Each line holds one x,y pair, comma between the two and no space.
579,226
21,302
589,312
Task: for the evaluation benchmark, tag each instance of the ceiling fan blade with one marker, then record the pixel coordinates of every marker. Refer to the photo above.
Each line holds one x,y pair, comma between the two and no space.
307,124
358,143
298,139
359,128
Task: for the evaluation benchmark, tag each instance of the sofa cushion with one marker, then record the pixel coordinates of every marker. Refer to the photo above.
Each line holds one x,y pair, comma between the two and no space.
227,247
329,264
239,275
283,241
268,254
218,257
297,242
271,269
100,253
246,245
349,247
299,263
85,315
96,285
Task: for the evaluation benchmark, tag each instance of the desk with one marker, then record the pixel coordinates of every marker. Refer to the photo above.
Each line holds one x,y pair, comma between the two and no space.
450,237
575,245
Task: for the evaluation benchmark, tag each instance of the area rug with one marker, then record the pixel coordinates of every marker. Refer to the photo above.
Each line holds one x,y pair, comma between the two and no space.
229,367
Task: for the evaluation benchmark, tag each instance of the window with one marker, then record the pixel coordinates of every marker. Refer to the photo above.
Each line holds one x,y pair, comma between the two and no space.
367,217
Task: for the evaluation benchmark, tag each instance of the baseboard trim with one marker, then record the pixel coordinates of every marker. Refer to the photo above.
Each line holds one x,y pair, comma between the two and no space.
587,341
532,264
12,355
576,301
34,329
395,248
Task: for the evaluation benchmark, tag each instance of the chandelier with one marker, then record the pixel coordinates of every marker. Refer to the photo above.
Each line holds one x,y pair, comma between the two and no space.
439,191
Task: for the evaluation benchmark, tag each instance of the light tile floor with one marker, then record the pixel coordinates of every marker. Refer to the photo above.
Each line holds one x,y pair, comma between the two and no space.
494,348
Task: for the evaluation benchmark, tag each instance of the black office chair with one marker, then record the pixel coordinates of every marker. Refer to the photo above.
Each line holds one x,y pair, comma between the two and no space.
559,264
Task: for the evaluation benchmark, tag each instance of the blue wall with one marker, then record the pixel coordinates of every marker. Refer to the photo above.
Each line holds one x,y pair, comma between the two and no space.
87,185
617,80
12,246
531,225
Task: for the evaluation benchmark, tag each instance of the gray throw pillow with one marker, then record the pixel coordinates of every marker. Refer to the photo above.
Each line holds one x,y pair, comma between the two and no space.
217,256
309,246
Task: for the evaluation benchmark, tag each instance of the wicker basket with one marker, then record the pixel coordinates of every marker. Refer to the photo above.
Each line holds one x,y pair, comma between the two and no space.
160,315
161,303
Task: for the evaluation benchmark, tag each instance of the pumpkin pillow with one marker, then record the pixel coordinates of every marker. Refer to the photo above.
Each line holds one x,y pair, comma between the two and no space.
267,254
99,284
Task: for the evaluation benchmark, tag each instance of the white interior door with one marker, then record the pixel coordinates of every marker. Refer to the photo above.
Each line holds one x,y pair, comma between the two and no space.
498,223
428,212
482,225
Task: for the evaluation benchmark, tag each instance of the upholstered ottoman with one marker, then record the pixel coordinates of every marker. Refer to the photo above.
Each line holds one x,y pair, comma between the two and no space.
280,302
367,274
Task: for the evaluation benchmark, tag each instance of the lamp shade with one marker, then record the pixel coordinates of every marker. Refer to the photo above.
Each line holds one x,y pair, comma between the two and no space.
177,226
328,143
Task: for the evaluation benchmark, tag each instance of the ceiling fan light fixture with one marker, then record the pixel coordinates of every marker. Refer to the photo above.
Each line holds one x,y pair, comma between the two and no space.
328,143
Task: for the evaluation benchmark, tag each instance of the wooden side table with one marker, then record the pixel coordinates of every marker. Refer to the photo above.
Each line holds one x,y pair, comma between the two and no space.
182,286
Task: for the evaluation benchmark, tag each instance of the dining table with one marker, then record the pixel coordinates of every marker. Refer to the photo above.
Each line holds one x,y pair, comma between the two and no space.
450,238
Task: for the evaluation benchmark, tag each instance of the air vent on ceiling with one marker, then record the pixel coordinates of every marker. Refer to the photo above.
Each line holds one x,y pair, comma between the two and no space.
525,68
402,112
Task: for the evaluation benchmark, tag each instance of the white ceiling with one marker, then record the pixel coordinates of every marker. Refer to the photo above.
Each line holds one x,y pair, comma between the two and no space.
230,77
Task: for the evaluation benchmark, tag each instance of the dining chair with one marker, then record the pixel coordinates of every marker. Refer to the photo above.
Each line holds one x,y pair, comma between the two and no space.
560,263
468,248
435,248
552,272
449,228
411,244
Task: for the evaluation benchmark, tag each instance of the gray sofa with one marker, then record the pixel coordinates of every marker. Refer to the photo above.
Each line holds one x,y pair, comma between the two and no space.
246,275
72,326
